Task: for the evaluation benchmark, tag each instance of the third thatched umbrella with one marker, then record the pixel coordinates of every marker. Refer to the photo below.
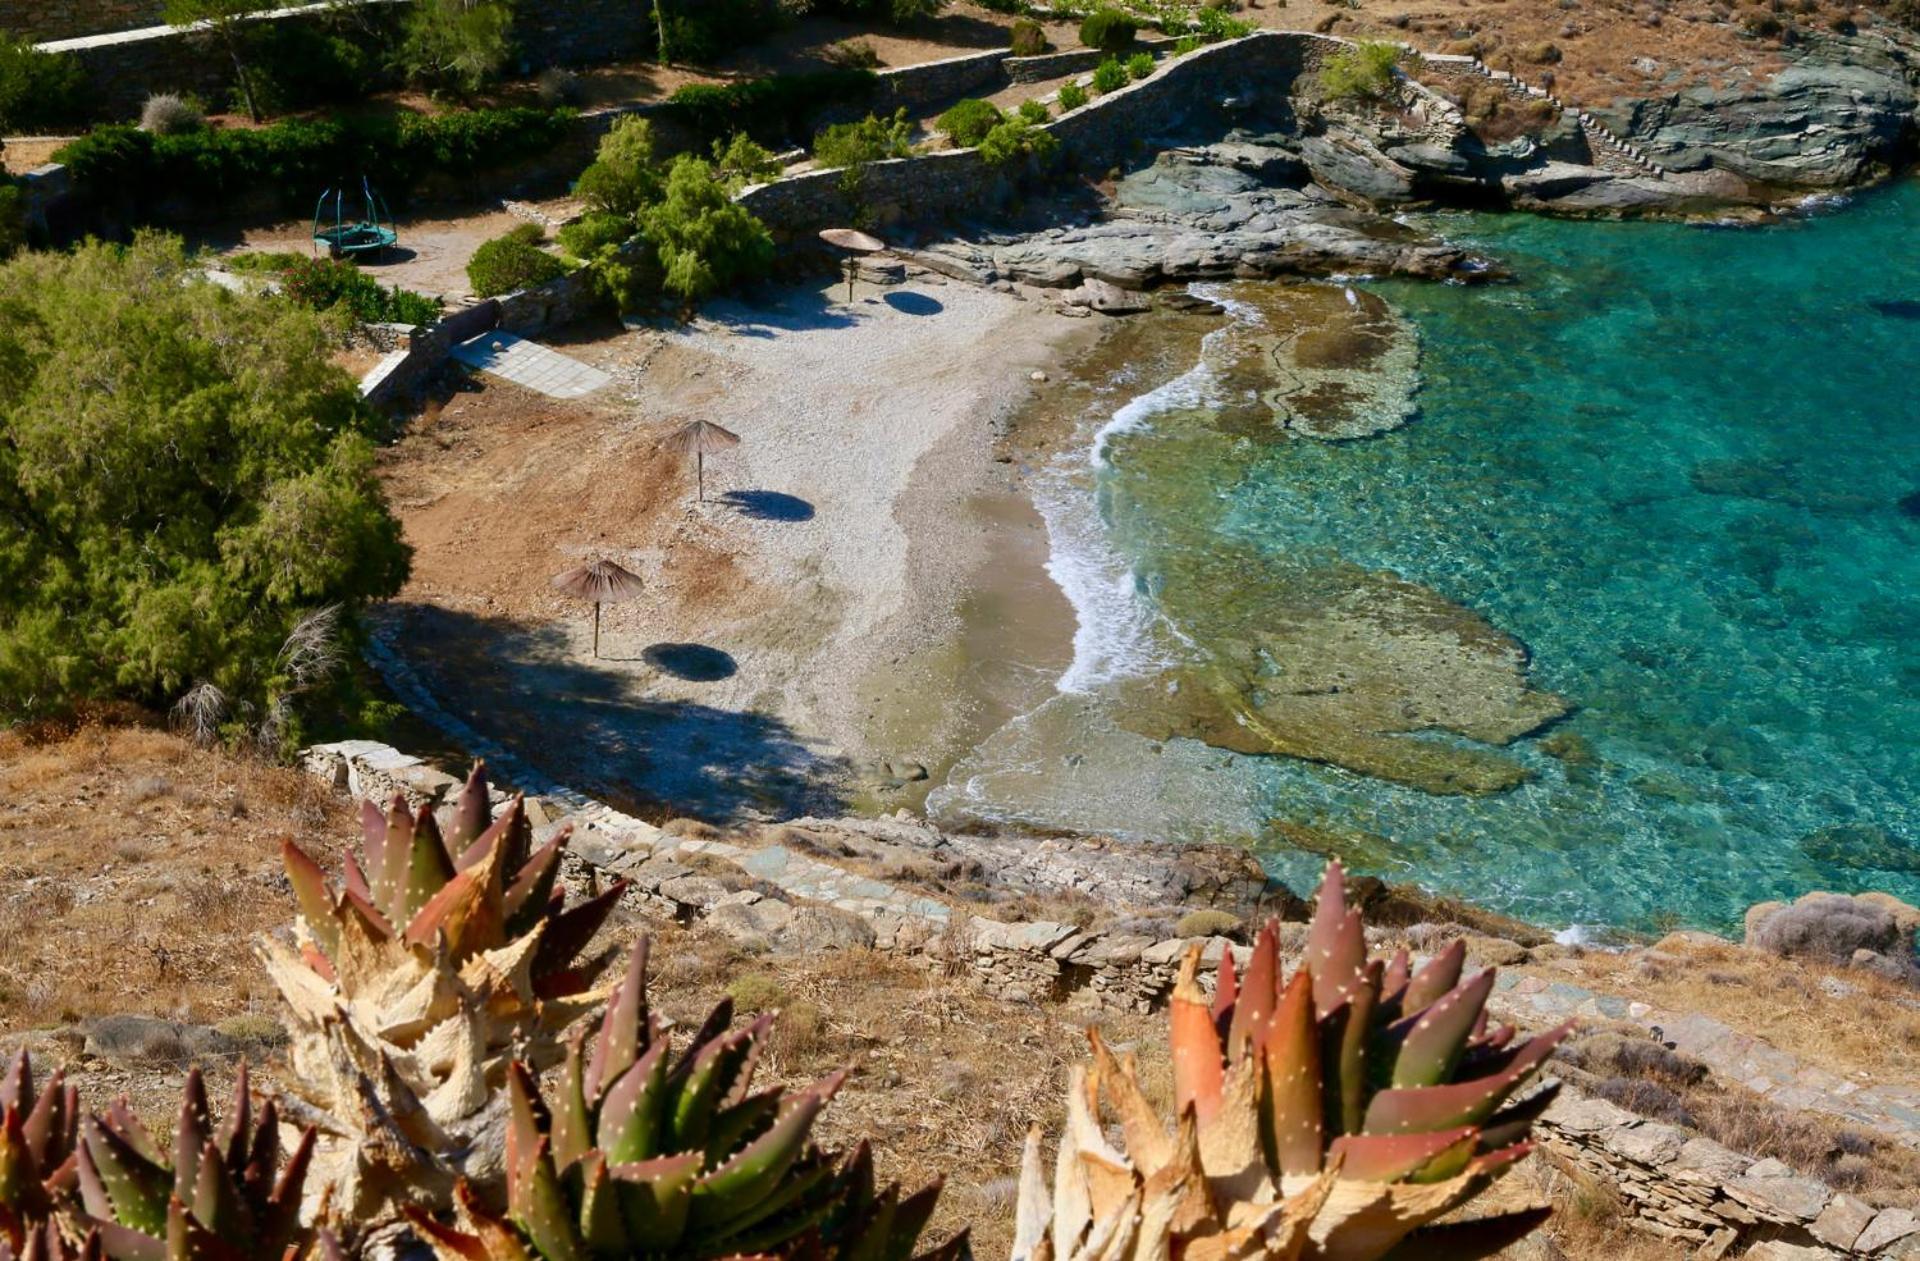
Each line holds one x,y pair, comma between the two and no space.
602,582
700,439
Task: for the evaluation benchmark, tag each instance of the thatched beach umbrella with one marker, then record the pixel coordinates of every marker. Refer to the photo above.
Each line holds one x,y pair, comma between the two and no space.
851,242
602,582
700,439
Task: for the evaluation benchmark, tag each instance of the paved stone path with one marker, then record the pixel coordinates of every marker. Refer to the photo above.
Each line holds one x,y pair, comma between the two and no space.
530,364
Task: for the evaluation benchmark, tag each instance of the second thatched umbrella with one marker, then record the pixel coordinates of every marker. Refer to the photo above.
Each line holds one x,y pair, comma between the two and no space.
602,582
700,439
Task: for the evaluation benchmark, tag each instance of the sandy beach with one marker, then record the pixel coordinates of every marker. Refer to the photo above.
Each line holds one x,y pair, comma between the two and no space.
825,577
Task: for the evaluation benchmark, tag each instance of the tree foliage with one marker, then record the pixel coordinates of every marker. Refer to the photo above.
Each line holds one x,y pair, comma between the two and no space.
13,219
621,178
512,262
38,91
739,162
227,21
1018,138
185,478
455,46
1361,72
704,241
968,122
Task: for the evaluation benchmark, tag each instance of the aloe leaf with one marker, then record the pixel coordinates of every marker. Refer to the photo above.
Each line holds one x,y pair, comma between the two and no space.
618,1045
472,811
497,835
602,1227
1433,1040
1512,1123
1260,994
568,933
18,1168
872,1236
124,1244
655,1198
237,1128
1419,1108
910,1218
1198,1073
217,1203
138,1188
542,1209
632,1123
281,1221
1393,1157
428,868
311,893
16,1087
700,1089
571,1127
190,1136
533,885
1226,991
389,868
741,1123
1295,1091
756,1171
807,1189
1441,974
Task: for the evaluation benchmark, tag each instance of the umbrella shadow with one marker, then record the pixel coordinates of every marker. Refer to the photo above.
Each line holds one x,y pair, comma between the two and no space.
593,728
768,505
696,663
907,302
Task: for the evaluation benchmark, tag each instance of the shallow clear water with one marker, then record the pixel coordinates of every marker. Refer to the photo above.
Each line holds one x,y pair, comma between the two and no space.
1669,459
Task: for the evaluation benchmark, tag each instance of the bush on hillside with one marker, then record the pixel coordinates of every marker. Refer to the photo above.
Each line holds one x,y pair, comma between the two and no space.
188,478
1027,39
1072,97
512,262
851,54
326,284
558,86
39,92
1109,76
776,110
1109,30
587,237
299,66
1831,927
455,46
165,114
621,178
1035,111
1017,138
968,122
703,31
740,162
1139,66
872,139
704,241
1362,72
1218,24
13,219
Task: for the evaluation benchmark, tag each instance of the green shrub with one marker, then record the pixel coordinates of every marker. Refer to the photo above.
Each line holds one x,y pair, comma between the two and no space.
705,242
740,162
968,122
702,31
1109,30
1217,24
299,66
1035,111
851,54
1186,44
1362,72
1072,97
455,46
512,262
621,178
872,139
775,110
1109,76
1027,39
590,236
263,262
39,92
1208,922
189,477
323,284
1018,138
165,114
1139,66
756,992
13,219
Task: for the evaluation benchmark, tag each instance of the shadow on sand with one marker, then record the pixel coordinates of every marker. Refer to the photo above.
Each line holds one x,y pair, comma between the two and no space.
696,663
802,311
908,302
768,505
590,725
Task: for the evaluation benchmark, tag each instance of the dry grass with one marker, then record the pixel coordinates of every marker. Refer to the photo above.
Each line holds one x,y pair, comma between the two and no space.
1865,1026
135,870
1589,1220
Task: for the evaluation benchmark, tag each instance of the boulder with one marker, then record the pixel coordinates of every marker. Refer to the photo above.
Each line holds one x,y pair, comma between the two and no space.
750,919
816,928
1756,914
1905,914
1830,927
133,1039
1107,298
1494,952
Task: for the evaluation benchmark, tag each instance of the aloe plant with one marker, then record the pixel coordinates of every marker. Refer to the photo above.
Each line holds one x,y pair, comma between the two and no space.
1331,1117
440,957
223,1195
38,1132
641,1153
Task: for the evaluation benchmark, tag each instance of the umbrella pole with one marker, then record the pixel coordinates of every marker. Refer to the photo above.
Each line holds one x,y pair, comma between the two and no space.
596,630
850,273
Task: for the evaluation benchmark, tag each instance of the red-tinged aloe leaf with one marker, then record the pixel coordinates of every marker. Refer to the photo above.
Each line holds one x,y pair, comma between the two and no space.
121,1120
235,1131
1432,1041
572,1127
632,1124
1336,948
1294,1125
756,1170
1226,988
263,1152
1394,1157
910,1218
388,869
92,1191
355,879
856,1178
497,1236
741,1123
373,837
1355,1068
446,1242
472,811
568,933
282,1221
1394,983
190,1135
123,1243
377,924
16,1087
526,1123
1420,1108
867,1238
428,868
1470,1240
807,1185
618,1045
45,1129
217,1204
533,885
1259,995
602,1227
1198,1074
311,893
1441,973
137,1187
655,1197
542,1210
742,1078
497,836
704,1088
468,914
19,1172
1512,1123
961,1245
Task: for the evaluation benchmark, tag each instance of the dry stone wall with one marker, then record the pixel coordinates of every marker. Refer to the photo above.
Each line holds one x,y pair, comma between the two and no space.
41,20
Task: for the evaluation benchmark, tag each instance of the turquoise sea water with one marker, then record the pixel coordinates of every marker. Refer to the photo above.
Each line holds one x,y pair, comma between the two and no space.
1671,460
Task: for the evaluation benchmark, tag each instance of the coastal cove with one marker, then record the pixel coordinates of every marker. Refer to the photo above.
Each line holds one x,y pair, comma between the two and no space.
1662,483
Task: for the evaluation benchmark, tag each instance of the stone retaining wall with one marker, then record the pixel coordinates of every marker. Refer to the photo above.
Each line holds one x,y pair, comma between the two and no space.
63,19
